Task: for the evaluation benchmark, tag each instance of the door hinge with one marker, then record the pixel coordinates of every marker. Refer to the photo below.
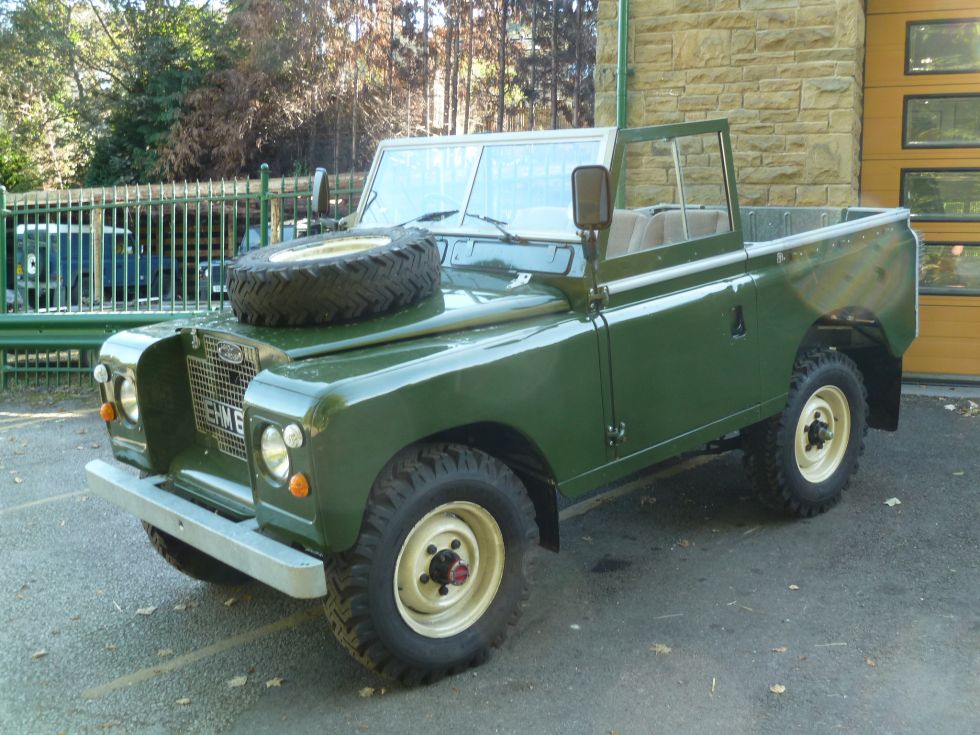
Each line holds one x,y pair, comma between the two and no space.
616,435
598,297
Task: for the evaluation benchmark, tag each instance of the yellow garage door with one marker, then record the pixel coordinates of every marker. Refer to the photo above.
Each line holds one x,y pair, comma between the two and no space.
921,150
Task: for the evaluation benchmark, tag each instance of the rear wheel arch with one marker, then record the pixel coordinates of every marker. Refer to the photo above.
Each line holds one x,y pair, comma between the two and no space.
858,333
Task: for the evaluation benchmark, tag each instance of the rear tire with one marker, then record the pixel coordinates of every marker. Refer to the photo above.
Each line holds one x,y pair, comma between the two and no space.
801,461
192,562
396,601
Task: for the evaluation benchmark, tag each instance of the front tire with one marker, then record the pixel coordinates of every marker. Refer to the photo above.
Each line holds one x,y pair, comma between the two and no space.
801,461
441,568
192,562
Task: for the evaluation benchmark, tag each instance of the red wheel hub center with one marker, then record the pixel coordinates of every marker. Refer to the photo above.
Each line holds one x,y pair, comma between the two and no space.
459,572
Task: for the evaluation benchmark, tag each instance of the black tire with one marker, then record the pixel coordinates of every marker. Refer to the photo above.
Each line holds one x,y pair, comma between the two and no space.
290,285
429,487
191,561
791,466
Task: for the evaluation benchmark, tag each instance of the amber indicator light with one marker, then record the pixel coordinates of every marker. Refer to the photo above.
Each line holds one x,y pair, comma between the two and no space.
107,411
299,486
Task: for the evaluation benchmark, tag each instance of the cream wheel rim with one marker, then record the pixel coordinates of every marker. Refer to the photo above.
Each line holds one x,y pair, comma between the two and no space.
332,248
822,433
430,604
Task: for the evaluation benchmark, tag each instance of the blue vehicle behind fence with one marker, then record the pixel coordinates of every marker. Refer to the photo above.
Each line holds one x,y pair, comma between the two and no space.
56,266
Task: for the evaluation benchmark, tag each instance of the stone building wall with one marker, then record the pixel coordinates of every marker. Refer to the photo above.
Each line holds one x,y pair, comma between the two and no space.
786,73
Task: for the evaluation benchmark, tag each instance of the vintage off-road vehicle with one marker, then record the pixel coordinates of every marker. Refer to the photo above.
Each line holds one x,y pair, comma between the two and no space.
389,414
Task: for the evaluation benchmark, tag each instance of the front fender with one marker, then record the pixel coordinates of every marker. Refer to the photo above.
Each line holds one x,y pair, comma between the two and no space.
540,378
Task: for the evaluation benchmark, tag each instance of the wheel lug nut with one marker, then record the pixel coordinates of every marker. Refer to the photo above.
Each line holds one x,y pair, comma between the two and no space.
444,590
424,579
431,549
456,543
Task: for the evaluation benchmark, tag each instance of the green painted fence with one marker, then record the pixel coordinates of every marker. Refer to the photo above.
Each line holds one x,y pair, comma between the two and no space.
80,265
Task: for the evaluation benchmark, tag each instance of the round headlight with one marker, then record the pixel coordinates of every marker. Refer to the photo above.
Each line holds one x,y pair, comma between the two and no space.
127,400
275,456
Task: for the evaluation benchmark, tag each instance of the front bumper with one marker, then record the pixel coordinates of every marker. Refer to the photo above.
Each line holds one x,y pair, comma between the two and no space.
238,544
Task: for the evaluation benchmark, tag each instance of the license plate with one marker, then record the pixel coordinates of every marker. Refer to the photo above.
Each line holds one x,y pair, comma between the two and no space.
224,417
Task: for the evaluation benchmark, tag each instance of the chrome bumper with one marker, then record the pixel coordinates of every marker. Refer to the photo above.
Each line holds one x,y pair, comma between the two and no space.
237,544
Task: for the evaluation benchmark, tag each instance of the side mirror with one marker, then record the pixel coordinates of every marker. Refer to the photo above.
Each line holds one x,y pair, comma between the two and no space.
591,199
321,192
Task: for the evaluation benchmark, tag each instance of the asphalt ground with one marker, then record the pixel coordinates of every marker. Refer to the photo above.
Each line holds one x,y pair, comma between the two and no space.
677,605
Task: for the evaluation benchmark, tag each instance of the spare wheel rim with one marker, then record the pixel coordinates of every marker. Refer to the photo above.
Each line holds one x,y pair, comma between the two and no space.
333,248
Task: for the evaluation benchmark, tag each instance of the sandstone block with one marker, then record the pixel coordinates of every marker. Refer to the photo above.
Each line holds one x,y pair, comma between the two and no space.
829,93
654,48
785,174
829,159
776,19
743,42
795,39
782,195
695,49
689,102
779,85
728,20
765,143
811,196
773,100
824,14
753,196
654,102
717,75
704,6
807,69
842,195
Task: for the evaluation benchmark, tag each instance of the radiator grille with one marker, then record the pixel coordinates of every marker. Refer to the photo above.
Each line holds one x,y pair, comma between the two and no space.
218,393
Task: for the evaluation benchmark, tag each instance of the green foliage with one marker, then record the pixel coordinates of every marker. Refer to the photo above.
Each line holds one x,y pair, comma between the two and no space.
17,171
170,51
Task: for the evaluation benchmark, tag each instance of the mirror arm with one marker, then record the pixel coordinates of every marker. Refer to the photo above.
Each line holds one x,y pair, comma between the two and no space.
589,240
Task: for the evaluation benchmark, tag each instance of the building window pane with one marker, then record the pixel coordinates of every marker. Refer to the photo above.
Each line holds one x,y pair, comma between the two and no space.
943,47
942,121
942,195
950,268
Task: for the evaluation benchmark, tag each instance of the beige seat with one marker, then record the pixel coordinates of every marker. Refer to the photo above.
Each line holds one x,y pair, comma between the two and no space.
666,228
625,232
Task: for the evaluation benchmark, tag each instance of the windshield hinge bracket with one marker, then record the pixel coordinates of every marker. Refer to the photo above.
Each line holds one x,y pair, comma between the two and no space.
616,435
522,279
598,297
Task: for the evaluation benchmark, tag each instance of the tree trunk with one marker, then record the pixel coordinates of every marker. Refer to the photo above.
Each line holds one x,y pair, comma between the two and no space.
425,63
502,64
576,104
554,65
534,63
455,85
469,66
447,67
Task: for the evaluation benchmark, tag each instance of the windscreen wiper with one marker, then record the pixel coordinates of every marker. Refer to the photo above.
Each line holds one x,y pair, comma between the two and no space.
499,224
429,217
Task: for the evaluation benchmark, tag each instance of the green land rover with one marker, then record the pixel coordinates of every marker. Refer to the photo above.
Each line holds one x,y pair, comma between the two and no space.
388,414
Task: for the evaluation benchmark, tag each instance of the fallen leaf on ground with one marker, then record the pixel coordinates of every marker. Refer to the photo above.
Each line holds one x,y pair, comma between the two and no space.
95,445
660,649
780,649
647,500
184,700
575,626
276,681
111,646
180,607
39,654
587,539
19,480
238,681
230,601
950,407
959,474
683,543
165,652
794,587
366,692
777,688
892,502
76,616
145,610
870,661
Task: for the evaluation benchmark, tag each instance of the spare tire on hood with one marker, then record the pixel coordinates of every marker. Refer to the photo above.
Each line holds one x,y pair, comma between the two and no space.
333,277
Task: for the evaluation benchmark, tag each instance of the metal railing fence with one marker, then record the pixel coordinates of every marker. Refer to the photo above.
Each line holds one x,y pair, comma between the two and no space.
80,265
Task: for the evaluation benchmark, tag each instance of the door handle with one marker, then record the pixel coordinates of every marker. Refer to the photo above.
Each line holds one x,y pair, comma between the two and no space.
738,322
